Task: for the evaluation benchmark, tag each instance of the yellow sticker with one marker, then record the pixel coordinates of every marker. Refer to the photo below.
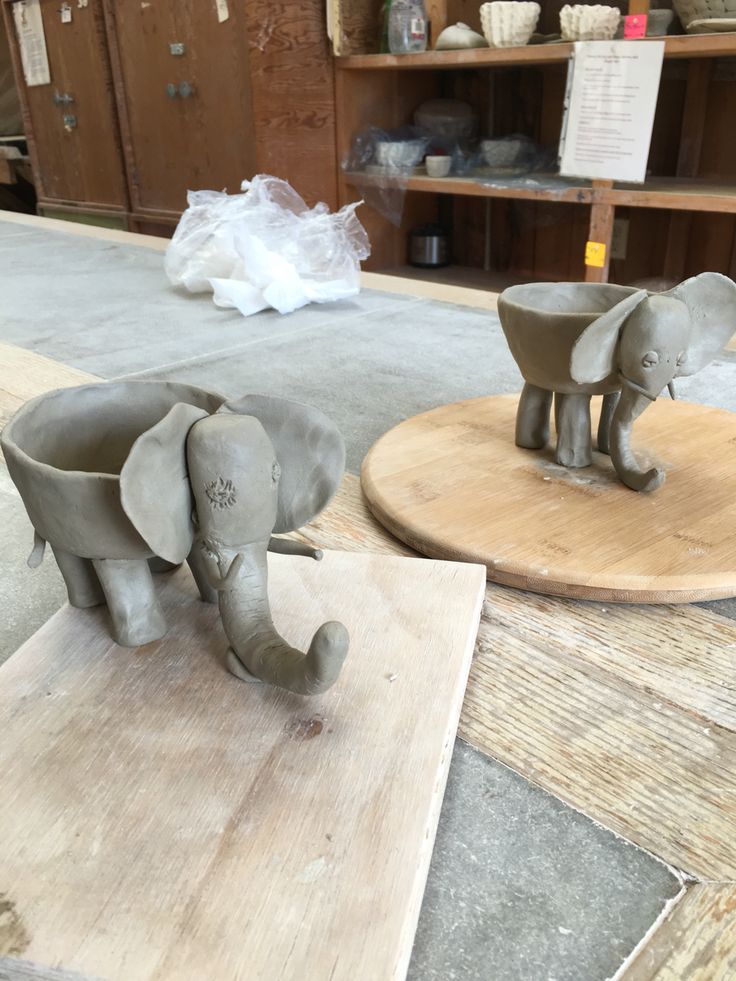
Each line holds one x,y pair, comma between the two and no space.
595,254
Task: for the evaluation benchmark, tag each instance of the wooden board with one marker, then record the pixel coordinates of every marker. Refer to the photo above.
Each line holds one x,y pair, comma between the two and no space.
696,941
161,819
624,712
452,484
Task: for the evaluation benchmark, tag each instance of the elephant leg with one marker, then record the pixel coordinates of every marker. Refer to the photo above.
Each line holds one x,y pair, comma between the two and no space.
572,415
532,417
82,585
135,612
196,562
604,423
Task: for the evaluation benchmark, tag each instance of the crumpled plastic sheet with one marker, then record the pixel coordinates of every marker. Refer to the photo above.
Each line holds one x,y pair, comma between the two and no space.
264,248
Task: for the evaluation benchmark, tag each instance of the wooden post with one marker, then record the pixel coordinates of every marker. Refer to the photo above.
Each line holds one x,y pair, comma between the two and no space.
600,232
437,16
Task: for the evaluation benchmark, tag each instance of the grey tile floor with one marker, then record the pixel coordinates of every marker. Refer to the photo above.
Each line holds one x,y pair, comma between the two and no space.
521,887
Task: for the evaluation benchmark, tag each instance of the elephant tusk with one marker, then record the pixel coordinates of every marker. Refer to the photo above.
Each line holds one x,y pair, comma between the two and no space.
671,390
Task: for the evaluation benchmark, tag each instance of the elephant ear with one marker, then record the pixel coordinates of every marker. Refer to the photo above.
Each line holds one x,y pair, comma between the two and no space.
594,352
154,484
711,300
310,451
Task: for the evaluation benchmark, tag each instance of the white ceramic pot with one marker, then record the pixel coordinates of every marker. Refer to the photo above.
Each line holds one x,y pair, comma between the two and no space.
400,154
458,36
508,23
438,166
588,22
507,152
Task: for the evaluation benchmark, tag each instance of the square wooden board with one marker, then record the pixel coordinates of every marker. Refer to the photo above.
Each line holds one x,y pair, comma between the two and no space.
159,818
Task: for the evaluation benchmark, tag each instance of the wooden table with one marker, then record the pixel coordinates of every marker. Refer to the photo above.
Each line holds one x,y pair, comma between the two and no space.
627,714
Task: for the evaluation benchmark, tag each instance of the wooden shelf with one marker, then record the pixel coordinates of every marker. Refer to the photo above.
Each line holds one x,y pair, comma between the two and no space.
681,46
669,193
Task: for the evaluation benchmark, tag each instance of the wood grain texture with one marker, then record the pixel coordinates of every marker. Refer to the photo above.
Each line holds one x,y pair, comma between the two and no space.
452,484
161,819
293,96
83,164
696,942
681,46
627,713
176,144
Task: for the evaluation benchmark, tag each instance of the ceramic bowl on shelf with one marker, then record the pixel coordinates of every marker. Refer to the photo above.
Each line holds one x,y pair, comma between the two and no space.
588,22
510,151
459,36
447,119
699,10
438,166
659,22
400,154
509,23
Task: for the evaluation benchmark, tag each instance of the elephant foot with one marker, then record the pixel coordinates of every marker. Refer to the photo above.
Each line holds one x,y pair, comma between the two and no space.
644,482
82,585
574,457
572,415
136,615
608,408
532,418
235,666
196,562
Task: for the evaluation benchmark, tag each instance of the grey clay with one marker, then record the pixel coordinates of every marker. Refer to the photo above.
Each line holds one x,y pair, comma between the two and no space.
125,477
576,340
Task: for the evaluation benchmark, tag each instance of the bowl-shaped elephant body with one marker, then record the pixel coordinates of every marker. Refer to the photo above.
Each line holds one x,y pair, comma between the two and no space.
66,449
119,476
543,321
576,340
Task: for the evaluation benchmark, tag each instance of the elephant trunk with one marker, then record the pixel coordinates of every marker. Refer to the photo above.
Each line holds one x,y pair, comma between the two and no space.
631,405
257,651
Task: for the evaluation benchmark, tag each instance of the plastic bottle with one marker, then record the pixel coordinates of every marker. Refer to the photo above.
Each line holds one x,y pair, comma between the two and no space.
407,27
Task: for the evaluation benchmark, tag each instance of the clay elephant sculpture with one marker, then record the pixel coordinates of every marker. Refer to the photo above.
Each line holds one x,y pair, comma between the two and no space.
103,473
576,340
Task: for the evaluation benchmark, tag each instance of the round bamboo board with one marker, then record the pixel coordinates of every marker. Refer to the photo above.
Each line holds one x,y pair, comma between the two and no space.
452,484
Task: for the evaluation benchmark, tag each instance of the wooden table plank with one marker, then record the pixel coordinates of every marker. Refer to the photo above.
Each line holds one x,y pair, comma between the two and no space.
565,693
696,942
160,818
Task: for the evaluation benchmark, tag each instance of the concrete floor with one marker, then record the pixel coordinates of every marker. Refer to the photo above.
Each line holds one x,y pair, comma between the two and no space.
521,886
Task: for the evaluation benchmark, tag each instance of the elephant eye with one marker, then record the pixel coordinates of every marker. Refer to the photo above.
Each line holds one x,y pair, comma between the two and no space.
275,472
650,359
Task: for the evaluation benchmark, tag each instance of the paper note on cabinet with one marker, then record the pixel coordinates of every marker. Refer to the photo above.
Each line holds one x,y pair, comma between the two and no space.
223,12
32,42
611,98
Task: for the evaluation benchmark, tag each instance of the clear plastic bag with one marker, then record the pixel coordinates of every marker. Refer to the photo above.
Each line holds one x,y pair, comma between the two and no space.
265,248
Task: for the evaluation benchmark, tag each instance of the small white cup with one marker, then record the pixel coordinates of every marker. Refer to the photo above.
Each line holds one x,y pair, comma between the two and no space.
438,166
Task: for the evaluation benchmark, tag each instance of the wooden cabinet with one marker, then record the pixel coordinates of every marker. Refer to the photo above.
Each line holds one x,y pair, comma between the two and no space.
173,95
71,123
184,97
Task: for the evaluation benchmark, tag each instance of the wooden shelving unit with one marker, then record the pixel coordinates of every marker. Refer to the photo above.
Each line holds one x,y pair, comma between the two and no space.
383,90
686,46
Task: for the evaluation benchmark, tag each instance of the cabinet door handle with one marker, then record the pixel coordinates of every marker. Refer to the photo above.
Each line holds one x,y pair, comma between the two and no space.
186,90
171,90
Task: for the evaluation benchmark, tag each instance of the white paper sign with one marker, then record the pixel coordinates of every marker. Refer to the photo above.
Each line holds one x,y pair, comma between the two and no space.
612,89
32,42
223,12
